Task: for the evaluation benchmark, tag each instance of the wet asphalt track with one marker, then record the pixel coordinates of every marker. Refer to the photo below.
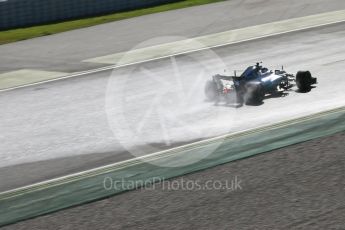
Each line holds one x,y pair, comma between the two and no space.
64,125
297,187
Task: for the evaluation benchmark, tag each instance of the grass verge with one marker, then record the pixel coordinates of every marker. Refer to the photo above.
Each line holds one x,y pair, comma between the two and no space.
43,30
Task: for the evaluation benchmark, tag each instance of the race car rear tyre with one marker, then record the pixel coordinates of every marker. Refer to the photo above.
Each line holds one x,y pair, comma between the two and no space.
211,91
304,80
254,94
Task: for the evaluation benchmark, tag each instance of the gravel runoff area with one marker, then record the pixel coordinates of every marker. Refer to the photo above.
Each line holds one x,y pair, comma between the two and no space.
297,187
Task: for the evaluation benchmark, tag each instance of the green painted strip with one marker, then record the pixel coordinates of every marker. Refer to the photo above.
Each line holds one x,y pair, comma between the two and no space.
26,76
35,200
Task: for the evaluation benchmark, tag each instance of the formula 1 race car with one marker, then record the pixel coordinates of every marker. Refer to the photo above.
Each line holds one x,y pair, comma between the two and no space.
254,83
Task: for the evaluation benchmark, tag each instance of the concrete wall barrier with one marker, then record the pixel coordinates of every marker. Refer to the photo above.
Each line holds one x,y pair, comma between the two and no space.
20,13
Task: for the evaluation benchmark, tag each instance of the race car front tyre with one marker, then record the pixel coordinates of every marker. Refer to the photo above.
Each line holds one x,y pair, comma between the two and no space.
304,80
211,91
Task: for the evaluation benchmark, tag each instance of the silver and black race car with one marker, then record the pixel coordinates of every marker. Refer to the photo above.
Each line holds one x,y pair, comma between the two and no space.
254,84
